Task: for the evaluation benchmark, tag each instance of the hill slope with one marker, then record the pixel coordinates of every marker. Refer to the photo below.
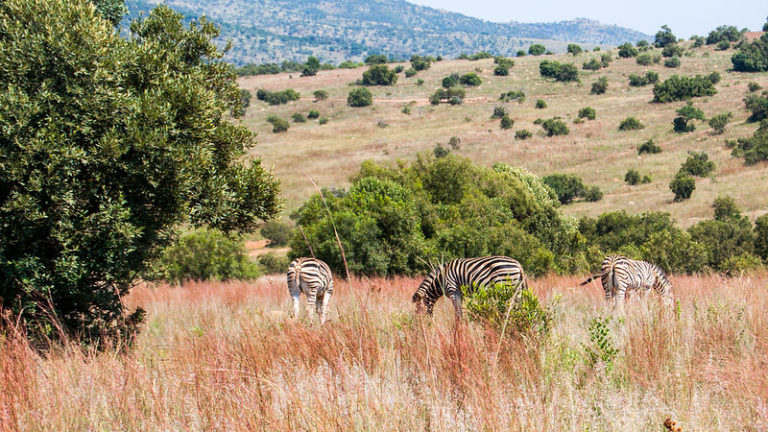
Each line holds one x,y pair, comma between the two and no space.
336,30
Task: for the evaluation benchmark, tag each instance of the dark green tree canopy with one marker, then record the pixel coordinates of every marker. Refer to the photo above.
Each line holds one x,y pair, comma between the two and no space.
107,144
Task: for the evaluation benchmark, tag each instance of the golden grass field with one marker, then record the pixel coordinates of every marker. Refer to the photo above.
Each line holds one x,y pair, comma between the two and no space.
594,150
225,357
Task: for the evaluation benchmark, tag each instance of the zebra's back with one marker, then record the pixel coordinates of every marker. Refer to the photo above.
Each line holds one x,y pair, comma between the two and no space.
309,271
621,274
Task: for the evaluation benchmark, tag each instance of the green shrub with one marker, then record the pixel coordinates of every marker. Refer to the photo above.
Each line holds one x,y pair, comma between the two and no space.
453,96
697,164
753,86
521,53
320,95
755,148
725,208
554,127
298,118
311,66
606,59
650,77
322,120
682,123
454,142
644,59
523,134
574,49
451,80
567,187
277,232
648,147
758,106
537,49
419,82
278,97
399,68
410,72
697,41
278,124
498,112
761,237
587,113
683,88
664,37
503,61
630,123
675,251
673,62
501,70
379,75
740,264
600,86
205,255
564,72
626,50
724,239
512,95
723,46
470,79
752,56
719,122
593,64
632,177
312,114
682,186
420,63
540,104
360,97
601,349
506,122
593,193
724,34
375,59
507,307
272,263
440,152
672,50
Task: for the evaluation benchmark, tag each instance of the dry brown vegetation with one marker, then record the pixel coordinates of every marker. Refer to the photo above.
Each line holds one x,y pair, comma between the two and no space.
594,150
224,356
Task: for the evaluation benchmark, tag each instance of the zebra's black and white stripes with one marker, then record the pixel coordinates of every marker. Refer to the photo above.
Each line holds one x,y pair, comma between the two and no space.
313,278
620,274
448,279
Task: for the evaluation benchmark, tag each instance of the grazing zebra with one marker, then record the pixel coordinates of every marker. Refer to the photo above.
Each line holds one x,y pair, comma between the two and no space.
451,276
620,274
313,278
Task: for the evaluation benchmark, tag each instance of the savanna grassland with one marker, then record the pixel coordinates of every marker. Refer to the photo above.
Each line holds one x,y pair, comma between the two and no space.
224,356
594,150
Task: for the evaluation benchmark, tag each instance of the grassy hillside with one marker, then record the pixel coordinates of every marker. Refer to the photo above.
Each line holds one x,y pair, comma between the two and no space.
595,150
224,357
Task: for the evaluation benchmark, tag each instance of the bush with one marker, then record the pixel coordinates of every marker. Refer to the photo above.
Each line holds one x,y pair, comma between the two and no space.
312,114
311,67
752,56
674,251
420,63
451,80
648,147
682,186
507,307
376,59
740,264
632,177
643,59
320,95
322,120
540,104
593,64
697,41
574,49
725,208
723,46
593,193
650,77
512,95
410,72
564,72
278,124
758,106
626,50
360,97
205,255
498,112
672,50
454,142
566,186
673,62
470,79
506,122
440,152
277,232
419,82
682,123
606,59
523,134
753,86
501,70
719,122
755,148
724,34
630,123
761,237
683,88
587,113
724,240
379,75
298,118
697,164
447,95
600,86
537,49
503,61
272,263
277,98
664,37
521,53
554,127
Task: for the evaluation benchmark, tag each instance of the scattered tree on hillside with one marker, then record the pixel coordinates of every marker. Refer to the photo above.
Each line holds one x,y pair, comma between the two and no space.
379,75
682,123
683,88
719,122
311,67
574,49
648,147
664,37
559,71
537,49
626,50
600,86
360,97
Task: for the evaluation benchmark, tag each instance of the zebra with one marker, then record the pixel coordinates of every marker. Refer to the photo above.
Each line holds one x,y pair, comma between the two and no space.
620,274
451,276
313,278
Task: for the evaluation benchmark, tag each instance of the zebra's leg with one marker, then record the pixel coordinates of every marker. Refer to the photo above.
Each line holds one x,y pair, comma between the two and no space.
618,299
324,307
295,299
456,300
311,301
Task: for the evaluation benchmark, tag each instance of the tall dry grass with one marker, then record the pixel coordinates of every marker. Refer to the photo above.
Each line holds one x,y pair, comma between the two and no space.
224,356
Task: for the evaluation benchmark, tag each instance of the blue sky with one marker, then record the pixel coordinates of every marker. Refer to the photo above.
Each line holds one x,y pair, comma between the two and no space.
684,17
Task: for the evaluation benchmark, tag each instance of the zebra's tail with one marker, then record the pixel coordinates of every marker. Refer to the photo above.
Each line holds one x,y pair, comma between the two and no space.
417,300
297,275
590,279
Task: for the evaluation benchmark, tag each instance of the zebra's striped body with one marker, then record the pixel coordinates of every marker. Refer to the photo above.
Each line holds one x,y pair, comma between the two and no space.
313,278
620,274
451,276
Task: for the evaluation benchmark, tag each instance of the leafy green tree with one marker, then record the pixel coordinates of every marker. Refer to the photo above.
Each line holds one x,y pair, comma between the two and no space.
536,49
278,97
376,59
682,186
111,10
506,122
587,113
470,79
697,164
719,122
600,86
521,53
501,70
648,147
627,50
498,112
523,134
540,104
278,124
559,71
758,106
755,148
643,59
360,97
682,123
311,67
107,145
419,63
753,56
677,88
592,194
272,263
630,123
672,50
379,75
566,186
664,37
554,127
313,114
451,80
724,34
593,64
761,237
675,251
574,49
724,239
725,208
673,62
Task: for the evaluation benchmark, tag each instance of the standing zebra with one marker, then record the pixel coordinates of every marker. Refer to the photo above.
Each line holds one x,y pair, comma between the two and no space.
313,278
451,276
619,274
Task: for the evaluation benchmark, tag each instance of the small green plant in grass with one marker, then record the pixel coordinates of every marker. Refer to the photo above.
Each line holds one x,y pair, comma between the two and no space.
600,86
508,307
587,113
719,122
278,124
498,112
682,186
506,122
540,104
523,134
313,114
406,110
554,127
630,123
322,120
648,147
419,82
320,95
673,62
298,118
601,348
454,142
753,86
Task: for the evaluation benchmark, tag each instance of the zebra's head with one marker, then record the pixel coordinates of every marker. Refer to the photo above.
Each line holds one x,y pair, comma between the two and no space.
425,296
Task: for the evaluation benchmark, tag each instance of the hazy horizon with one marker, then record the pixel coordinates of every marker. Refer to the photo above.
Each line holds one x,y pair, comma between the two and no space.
685,18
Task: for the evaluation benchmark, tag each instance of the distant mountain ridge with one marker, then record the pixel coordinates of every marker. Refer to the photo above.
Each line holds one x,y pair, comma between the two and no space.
335,30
